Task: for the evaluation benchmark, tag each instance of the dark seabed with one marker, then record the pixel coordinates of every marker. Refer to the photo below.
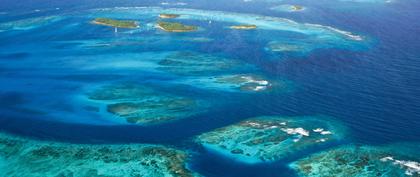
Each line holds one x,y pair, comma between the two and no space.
311,88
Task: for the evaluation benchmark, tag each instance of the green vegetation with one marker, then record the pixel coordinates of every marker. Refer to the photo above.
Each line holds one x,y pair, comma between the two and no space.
175,27
116,23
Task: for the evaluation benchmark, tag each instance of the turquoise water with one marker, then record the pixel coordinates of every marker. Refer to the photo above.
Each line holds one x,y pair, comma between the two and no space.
337,78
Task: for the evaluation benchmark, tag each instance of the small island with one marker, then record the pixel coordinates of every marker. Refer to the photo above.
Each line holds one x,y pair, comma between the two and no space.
175,27
116,23
288,8
296,8
168,15
243,27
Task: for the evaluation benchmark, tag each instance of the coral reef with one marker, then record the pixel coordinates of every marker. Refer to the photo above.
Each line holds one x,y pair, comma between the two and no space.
360,161
143,105
270,138
192,63
24,157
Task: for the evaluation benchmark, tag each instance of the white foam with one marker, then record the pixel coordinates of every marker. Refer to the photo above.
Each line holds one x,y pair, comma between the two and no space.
258,88
318,130
294,131
174,4
387,159
262,82
321,140
326,133
250,79
345,33
411,167
254,124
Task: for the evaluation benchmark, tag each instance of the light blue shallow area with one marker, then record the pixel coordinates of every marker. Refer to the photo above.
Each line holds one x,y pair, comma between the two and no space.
139,104
362,161
31,158
265,139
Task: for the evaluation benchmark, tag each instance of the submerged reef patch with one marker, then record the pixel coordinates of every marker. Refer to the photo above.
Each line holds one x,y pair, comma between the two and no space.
245,82
270,138
25,157
231,82
277,46
192,63
144,105
29,23
360,161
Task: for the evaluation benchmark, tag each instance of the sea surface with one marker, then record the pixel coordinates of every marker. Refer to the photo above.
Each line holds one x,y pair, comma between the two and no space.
357,62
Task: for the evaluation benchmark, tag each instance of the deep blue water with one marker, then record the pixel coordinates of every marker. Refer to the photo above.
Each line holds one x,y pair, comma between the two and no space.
375,91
